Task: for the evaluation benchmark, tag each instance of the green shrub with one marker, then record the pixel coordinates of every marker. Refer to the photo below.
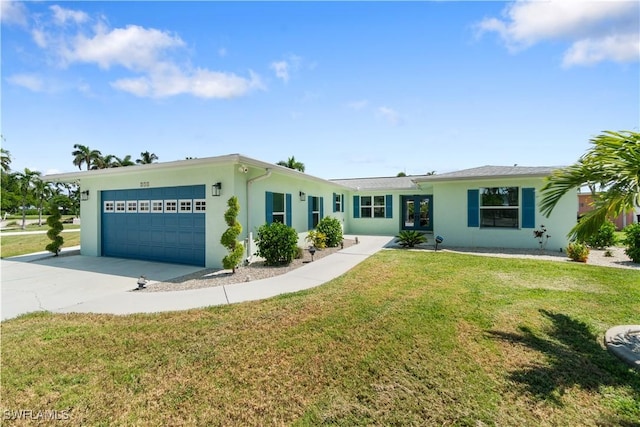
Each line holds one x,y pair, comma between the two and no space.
410,238
317,239
578,251
55,228
604,237
332,229
277,243
632,241
228,239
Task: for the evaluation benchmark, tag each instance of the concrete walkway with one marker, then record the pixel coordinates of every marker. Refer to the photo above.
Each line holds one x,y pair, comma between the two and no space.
82,284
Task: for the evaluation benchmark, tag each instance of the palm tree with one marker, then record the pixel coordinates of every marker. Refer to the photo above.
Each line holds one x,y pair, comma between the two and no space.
118,162
83,154
146,158
291,163
613,165
6,159
25,185
42,192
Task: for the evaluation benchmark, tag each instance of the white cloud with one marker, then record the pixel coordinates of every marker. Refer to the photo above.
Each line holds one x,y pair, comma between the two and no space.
358,105
281,68
30,81
13,12
61,15
149,53
592,28
389,115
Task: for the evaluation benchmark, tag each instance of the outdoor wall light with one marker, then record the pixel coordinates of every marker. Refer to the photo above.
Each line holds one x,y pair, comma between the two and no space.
84,195
303,196
216,189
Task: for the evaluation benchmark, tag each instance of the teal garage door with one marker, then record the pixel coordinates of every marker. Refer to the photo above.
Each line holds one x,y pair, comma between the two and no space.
156,224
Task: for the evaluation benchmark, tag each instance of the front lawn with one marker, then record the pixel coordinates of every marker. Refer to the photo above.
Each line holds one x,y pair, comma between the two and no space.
31,243
405,338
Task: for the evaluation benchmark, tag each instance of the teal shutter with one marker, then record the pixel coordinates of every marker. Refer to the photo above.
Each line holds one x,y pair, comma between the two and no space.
309,212
528,208
335,207
473,208
321,208
342,203
356,206
388,211
288,209
269,207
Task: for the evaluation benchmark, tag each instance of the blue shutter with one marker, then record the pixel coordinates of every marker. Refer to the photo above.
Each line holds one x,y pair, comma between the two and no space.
321,208
269,207
528,208
356,206
388,206
288,209
335,207
310,212
473,208
342,203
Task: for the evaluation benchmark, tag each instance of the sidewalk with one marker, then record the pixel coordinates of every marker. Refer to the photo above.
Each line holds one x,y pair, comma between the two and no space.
113,294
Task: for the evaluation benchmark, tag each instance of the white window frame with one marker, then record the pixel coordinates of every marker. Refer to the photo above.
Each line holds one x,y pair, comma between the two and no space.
157,206
185,205
109,206
282,213
199,205
171,206
504,207
144,206
132,206
120,206
373,207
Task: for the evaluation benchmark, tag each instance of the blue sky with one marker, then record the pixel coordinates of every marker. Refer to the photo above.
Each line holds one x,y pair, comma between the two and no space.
351,89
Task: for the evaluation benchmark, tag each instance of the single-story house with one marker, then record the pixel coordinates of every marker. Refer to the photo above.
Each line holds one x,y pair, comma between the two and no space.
174,211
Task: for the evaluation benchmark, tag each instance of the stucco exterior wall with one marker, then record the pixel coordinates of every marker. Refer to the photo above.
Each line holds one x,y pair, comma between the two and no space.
450,217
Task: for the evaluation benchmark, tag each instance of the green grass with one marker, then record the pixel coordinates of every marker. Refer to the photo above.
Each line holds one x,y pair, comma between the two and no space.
405,338
30,243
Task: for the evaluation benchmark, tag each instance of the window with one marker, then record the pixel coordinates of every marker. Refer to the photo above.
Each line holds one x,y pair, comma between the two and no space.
185,206
499,207
120,206
338,202
199,205
144,206
315,204
109,206
171,206
372,207
278,207
157,206
132,206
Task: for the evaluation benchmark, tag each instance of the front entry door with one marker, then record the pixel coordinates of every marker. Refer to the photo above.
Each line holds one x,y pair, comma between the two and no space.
417,213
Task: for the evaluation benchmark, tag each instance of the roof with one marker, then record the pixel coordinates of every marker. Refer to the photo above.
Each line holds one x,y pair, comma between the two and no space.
492,172
177,164
379,183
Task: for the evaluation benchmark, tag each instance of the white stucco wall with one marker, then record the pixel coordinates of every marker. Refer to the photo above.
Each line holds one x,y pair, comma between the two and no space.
450,217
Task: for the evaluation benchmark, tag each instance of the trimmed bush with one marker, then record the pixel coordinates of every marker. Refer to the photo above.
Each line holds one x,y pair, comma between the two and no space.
578,251
228,239
317,239
605,236
277,243
55,228
410,238
332,229
632,241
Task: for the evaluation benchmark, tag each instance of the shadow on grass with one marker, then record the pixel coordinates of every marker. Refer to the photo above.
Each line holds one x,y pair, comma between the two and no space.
572,357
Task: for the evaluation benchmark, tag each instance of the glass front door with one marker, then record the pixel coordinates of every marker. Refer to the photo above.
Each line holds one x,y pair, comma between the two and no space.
417,213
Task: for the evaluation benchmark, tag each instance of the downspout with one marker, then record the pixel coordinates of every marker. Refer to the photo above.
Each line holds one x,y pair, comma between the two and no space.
249,233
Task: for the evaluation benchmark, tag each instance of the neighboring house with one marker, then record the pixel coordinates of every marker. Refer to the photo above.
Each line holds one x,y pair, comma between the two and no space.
585,204
173,212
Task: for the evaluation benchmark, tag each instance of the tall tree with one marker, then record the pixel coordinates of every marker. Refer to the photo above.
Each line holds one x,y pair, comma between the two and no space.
121,162
84,155
43,192
292,163
25,185
613,165
146,158
5,157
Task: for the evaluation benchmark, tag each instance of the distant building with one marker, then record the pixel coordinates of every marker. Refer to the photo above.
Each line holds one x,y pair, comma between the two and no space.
585,204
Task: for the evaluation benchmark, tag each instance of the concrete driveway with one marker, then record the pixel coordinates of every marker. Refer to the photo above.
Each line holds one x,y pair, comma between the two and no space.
34,283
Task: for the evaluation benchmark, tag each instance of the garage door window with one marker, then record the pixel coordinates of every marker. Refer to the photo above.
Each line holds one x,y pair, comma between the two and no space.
199,205
132,206
109,206
170,206
120,206
144,206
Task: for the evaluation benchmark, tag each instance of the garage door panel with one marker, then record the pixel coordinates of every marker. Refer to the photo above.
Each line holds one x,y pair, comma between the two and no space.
165,236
